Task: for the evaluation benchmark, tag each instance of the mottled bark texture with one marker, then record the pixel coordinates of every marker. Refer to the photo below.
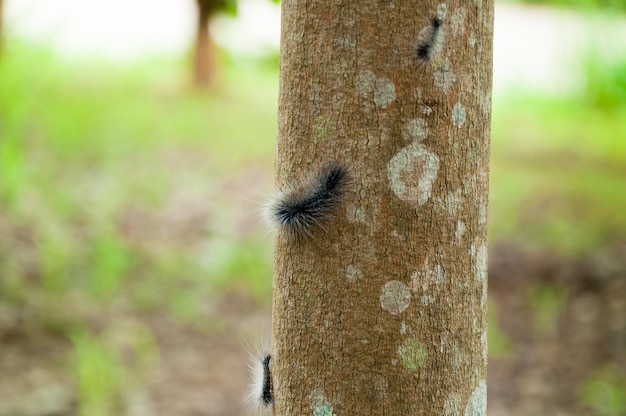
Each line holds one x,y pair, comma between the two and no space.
205,53
382,309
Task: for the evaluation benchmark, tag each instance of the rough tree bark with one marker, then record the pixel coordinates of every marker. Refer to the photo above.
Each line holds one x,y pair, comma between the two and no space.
382,310
205,55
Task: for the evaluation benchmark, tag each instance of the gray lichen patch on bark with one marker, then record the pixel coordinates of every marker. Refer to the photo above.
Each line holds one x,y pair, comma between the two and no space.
411,173
458,115
415,130
319,404
452,405
477,403
479,255
395,297
353,274
443,76
460,230
380,89
355,213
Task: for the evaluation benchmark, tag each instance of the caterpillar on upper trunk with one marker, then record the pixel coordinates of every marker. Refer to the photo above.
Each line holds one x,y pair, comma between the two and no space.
429,40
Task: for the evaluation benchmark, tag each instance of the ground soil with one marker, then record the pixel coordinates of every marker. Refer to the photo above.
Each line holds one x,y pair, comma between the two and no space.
203,368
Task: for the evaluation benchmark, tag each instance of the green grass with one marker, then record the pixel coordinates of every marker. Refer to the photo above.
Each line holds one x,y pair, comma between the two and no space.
119,197
557,174
546,301
557,165
100,166
499,343
100,376
604,392
112,366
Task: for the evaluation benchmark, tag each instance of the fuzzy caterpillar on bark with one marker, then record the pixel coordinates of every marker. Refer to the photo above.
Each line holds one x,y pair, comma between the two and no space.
429,40
260,394
299,210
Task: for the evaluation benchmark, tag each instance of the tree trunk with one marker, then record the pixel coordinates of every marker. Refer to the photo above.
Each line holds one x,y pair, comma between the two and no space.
380,304
205,54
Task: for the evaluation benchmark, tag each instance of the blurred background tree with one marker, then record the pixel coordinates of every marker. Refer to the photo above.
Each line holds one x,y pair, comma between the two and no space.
205,63
205,52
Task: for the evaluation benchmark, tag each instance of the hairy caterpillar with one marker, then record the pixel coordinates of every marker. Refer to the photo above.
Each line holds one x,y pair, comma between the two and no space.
429,40
299,210
260,396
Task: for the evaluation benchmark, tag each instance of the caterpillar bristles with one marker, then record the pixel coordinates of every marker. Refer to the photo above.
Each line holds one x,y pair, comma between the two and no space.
260,395
429,40
297,211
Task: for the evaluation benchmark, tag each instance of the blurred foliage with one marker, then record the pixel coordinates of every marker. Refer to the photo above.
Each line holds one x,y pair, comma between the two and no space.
557,162
546,303
605,392
619,5
112,366
228,7
100,377
224,6
605,81
498,341
120,196
246,264
99,199
557,167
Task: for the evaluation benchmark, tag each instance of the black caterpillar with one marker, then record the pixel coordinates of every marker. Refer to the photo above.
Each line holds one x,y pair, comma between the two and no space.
299,210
